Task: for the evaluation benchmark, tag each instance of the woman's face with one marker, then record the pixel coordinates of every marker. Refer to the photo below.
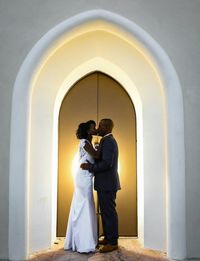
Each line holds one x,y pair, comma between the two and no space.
92,129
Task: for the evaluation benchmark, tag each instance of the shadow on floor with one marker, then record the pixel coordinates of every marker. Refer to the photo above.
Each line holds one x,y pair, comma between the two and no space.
129,250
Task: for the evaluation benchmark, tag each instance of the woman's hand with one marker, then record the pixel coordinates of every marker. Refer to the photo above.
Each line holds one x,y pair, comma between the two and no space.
86,166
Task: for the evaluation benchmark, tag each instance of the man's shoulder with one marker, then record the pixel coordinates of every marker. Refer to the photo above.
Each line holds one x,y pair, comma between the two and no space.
109,140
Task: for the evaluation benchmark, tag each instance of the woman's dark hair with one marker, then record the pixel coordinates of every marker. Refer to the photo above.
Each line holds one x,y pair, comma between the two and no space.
91,122
82,132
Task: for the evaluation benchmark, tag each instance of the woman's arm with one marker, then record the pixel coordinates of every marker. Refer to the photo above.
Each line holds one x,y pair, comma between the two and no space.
89,148
107,158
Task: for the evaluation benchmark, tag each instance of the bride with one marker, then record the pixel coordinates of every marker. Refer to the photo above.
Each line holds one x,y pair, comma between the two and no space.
81,234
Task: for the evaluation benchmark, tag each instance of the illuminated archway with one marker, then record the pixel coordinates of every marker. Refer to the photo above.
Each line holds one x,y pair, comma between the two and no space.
103,41
98,96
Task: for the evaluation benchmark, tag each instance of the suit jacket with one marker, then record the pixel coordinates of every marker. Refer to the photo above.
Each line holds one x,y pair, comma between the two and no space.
105,169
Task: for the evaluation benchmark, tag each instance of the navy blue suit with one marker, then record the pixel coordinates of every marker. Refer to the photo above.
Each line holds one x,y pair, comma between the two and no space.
106,182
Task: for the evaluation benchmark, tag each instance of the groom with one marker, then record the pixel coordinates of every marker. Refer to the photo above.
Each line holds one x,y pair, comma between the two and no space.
106,183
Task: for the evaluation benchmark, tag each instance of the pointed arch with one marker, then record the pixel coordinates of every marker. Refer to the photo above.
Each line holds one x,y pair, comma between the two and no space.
27,94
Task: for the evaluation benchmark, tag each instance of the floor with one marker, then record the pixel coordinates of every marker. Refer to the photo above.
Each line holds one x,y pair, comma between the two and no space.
129,250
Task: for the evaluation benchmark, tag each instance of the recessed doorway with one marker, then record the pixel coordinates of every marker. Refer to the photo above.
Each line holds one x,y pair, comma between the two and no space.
98,96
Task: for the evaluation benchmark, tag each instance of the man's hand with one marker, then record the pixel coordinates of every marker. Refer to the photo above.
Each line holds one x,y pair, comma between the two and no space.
85,166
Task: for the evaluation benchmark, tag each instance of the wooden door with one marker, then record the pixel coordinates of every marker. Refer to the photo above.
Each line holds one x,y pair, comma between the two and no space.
98,96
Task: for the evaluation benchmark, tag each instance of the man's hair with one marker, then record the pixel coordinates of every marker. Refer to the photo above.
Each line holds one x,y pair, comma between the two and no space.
109,123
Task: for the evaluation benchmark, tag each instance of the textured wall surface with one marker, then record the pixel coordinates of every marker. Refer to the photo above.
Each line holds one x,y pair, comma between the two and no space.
174,24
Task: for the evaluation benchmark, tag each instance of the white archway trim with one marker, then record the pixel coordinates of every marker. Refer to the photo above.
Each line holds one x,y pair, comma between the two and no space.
105,66
20,132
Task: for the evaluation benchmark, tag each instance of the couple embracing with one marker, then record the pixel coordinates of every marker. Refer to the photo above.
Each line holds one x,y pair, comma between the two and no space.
102,164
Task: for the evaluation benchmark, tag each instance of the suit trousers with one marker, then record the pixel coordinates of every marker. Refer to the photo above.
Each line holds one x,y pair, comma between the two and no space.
109,215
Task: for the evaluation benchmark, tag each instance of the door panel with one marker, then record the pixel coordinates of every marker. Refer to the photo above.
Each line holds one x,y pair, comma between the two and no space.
78,106
115,103
81,104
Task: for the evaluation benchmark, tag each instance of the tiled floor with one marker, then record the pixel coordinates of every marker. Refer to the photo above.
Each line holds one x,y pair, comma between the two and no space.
129,250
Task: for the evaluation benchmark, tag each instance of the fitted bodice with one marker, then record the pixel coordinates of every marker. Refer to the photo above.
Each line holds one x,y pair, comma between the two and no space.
83,154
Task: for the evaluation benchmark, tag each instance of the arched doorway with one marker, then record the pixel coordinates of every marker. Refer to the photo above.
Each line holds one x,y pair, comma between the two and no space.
37,97
98,96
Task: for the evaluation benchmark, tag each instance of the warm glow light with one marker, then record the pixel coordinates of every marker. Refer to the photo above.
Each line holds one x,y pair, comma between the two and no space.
119,167
75,165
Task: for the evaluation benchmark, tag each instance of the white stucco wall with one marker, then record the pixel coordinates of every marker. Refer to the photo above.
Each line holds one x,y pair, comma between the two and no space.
174,24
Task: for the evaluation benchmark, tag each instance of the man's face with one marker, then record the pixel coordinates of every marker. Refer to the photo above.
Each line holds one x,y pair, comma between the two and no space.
102,129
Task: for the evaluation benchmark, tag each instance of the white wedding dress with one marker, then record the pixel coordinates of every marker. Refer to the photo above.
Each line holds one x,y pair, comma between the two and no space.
81,234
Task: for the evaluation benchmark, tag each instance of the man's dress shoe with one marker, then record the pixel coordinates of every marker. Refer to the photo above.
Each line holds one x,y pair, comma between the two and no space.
108,248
